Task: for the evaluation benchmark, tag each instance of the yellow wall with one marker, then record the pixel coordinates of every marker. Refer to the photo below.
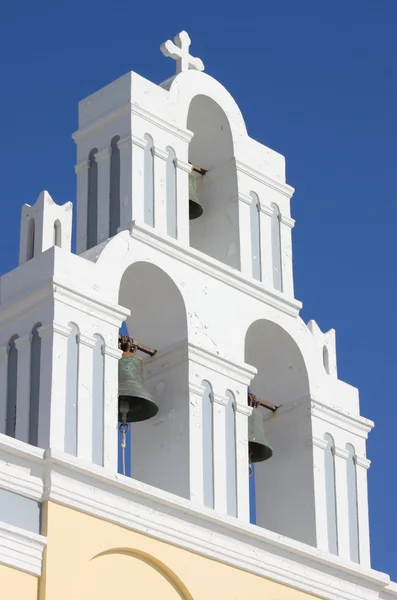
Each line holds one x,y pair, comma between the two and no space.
16,585
91,559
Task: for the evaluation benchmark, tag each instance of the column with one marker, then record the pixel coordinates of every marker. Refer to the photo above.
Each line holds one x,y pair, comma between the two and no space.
219,427
81,171
182,201
196,470
103,161
342,512
244,210
54,340
243,411
286,225
23,388
3,386
362,466
160,190
110,411
320,497
265,216
84,397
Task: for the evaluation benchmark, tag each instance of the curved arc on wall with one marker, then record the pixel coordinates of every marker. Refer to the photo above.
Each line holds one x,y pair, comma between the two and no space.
171,577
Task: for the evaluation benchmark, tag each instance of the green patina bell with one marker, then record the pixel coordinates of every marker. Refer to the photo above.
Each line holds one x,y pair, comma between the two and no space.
135,402
195,208
259,449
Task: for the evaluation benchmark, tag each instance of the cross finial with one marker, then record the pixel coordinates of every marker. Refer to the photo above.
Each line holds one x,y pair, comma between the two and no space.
180,52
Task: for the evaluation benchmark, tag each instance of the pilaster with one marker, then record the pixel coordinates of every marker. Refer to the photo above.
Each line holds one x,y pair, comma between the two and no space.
320,497
126,181
81,171
242,413
110,411
160,168
265,219
23,388
362,466
103,161
219,449
196,483
182,201
286,225
84,398
3,386
244,211
342,520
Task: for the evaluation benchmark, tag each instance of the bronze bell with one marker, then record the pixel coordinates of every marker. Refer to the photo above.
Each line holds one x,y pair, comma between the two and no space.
259,449
135,403
195,208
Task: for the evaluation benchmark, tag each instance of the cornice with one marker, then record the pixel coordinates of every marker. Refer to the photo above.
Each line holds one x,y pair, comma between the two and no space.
159,153
50,328
283,188
340,452
86,340
219,399
238,371
216,269
184,135
23,341
81,166
355,424
182,165
102,154
242,409
21,549
361,461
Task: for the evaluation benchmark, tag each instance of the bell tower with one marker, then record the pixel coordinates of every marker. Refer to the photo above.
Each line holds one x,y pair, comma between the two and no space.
184,236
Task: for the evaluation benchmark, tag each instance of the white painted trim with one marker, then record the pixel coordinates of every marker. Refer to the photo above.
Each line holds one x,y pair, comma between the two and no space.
238,371
21,549
355,424
281,187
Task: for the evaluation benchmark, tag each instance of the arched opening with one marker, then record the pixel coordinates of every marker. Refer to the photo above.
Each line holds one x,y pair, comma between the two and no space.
281,379
92,200
211,153
31,239
160,445
114,194
208,445
57,239
351,474
326,359
72,382
276,249
98,382
171,193
35,366
231,457
330,493
148,182
255,237
12,375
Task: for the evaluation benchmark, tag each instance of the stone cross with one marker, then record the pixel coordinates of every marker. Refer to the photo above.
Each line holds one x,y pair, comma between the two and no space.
180,52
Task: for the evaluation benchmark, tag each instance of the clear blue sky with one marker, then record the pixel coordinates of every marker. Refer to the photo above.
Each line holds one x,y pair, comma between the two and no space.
317,82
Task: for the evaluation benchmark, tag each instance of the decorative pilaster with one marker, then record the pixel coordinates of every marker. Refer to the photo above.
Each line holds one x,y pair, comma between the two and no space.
182,200
342,512
81,171
196,393
362,466
84,398
320,495
103,161
23,388
265,217
127,182
52,402
219,449
244,211
110,409
286,225
160,191
242,412
3,386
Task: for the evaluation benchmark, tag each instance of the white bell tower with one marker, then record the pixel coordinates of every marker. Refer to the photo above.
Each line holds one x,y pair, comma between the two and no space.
214,296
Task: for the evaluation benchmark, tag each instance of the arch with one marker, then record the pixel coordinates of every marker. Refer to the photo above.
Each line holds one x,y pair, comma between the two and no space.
330,493
208,444
326,359
114,193
276,248
72,381
57,237
189,84
352,500
231,457
35,368
12,375
171,205
216,231
98,373
30,239
255,237
149,569
148,182
92,200
282,374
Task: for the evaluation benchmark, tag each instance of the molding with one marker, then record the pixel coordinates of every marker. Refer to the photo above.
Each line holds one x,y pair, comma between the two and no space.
104,153
196,389
101,122
23,340
159,153
182,165
244,198
354,424
18,462
317,442
242,409
86,340
82,166
131,140
361,461
21,549
204,263
218,399
266,210
287,220
183,134
4,351
112,352
54,328
283,188
340,452
238,371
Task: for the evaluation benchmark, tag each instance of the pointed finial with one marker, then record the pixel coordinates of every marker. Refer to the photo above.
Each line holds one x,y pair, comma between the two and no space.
179,51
